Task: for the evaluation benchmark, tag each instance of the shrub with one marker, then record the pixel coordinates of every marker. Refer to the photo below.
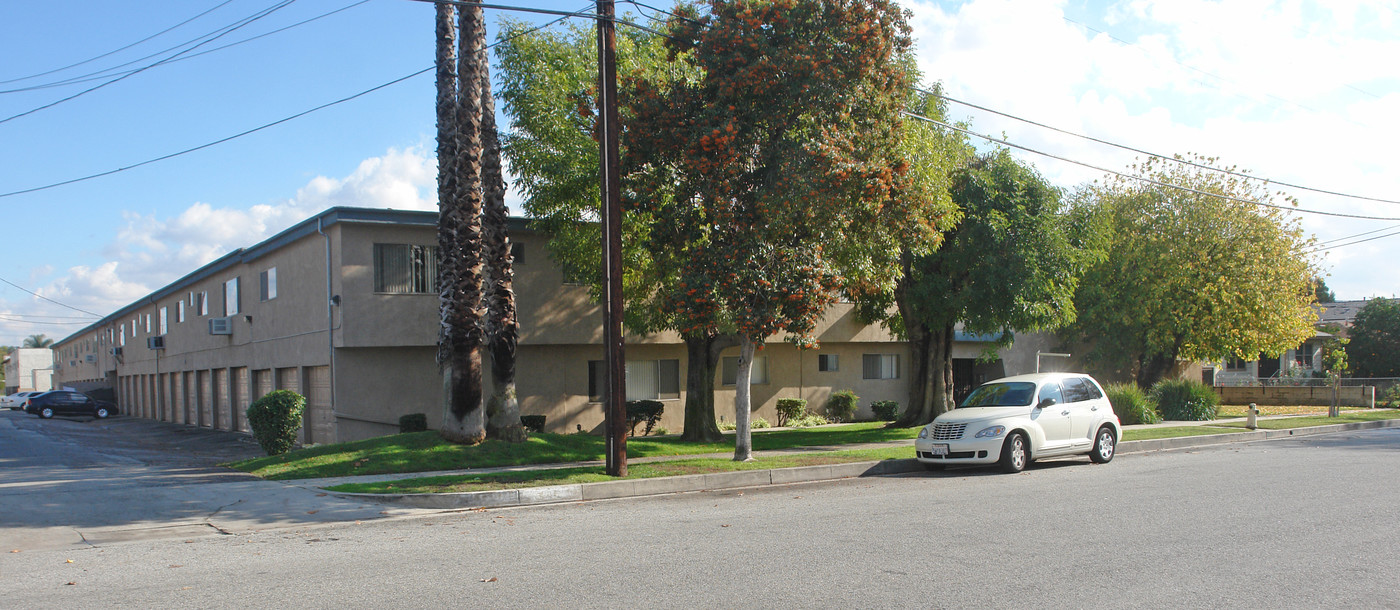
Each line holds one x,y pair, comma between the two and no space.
1185,400
885,410
275,420
790,409
533,423
808,420
1131,405
841,405
661,431
754,423
1390,398
643,411
413,422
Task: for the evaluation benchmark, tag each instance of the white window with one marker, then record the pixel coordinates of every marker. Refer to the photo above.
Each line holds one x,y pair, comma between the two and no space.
405,269
267,284
758,373
646,379
880,366
179,312
122,335
202,304
231,301
164,311
827,363
148,324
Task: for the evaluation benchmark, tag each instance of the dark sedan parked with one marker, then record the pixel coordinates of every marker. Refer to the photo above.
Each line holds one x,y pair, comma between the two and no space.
62,402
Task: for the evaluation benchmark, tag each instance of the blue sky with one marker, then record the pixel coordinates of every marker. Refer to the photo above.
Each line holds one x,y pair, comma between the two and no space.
1298,91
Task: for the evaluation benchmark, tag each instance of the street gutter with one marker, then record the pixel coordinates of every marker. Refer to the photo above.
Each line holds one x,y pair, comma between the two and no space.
630,488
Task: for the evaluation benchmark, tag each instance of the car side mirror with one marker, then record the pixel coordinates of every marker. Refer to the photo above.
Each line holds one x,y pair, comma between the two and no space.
1046,402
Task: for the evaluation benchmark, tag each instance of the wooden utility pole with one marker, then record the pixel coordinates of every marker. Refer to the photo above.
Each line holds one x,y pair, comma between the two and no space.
614,393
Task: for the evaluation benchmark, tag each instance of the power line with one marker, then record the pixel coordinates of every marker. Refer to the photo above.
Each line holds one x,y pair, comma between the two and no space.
5,318
1140,178
107,72
1359,234
48,299
272,124
1359,241
113,52
247,21
1159,156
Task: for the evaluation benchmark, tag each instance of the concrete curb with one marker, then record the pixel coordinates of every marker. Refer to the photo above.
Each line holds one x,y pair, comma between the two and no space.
556,494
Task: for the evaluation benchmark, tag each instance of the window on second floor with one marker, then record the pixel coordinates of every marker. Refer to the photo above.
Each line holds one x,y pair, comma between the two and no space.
267,284
405,269
231,297
164,313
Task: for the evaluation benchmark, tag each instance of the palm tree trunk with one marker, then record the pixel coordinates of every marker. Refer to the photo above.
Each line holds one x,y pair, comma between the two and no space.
502,333
459,244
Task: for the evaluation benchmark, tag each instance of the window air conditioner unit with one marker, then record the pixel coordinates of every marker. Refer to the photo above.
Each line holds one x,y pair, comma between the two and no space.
90,358
116,351
220,326
155,342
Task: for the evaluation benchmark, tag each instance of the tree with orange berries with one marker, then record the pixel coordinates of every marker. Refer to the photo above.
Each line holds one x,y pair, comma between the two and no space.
775,176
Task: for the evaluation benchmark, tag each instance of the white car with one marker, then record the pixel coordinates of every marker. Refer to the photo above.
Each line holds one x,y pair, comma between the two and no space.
15,401
1016,420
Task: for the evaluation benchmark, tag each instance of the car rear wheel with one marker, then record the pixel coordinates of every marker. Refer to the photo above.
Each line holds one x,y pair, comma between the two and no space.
1104,445
46,412
1014,453
102,413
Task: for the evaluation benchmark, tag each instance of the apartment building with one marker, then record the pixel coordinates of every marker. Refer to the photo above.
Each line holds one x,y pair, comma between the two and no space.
341,308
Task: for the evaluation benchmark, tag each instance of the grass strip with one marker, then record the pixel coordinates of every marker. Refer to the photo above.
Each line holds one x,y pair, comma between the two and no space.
1346,417
645,470
426,451
1147,434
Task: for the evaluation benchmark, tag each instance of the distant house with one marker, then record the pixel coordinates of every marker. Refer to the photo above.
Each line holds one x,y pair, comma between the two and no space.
1304,361
29,369
342,308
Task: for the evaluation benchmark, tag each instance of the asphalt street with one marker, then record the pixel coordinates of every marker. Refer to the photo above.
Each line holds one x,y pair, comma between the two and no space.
78,481
1306,522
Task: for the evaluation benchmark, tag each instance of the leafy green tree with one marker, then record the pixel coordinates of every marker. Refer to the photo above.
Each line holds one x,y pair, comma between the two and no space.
1199,274
1322,293
1375,339
770,171
1011,263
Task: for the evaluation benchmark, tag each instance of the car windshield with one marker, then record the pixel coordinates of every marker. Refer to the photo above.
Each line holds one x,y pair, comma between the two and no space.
1012,394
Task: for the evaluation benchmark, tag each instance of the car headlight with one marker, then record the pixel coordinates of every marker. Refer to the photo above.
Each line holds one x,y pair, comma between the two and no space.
991,432
924,432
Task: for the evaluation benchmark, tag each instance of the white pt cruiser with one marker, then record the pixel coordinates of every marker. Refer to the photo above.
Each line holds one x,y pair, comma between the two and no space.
1015,420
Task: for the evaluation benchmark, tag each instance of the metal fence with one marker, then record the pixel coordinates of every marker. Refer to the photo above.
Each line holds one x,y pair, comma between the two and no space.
1381,383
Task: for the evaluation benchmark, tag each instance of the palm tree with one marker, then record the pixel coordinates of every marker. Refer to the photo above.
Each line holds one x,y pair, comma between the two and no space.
38,340
459,221
502,408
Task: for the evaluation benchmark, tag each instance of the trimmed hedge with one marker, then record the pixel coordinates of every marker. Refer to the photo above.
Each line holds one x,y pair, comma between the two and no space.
790,409
1390,398
413,422
1185,400
1131,405
841,406
643,411
275,420
885,410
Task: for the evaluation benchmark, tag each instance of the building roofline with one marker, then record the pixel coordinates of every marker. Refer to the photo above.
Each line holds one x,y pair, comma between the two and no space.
314,224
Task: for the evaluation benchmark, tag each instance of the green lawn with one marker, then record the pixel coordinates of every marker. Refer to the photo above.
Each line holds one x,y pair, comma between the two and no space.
1347,417
425,451
567,476
1144,434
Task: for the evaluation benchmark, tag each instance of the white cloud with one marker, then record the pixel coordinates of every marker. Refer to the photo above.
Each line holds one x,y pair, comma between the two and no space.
151,251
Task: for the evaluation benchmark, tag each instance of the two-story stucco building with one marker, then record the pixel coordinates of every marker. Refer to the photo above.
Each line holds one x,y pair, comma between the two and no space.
341,308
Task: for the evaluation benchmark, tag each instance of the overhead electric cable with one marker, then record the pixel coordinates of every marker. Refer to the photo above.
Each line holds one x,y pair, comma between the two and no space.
9,319
109,72
1159,156
1363,234
109,53
1140,178
272,124
258,16
1359,241
48,299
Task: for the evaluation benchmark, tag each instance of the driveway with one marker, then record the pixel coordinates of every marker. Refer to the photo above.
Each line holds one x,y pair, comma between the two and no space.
77,481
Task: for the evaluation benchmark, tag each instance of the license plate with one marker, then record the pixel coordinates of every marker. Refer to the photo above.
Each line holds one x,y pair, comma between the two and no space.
938,450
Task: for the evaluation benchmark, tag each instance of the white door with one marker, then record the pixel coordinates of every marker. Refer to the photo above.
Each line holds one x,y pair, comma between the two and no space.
1053,419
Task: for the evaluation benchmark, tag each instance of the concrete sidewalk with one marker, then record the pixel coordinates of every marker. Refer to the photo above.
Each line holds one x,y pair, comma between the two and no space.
751,478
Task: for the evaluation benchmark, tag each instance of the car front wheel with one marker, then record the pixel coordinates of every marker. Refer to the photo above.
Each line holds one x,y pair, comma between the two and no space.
102,413
1014,453
46,412
1104,445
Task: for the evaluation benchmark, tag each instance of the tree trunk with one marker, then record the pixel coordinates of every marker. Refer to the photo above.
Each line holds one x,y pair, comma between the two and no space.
743,435
1152,369
1335,410
941,347
702,359
459,227
502,332
921,368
